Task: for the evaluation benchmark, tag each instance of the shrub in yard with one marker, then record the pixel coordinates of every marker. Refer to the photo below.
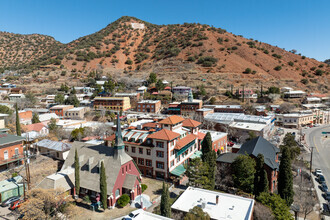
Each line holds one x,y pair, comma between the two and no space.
123,200
144,187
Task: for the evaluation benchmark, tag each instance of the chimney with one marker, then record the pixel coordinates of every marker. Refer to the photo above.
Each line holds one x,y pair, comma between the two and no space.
217,199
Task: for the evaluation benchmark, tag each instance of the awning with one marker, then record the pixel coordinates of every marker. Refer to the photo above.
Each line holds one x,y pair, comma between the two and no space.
197,154
179,170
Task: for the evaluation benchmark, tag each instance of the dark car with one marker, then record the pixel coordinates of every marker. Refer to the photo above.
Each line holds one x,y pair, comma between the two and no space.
9,201
324,187
327,196
321,179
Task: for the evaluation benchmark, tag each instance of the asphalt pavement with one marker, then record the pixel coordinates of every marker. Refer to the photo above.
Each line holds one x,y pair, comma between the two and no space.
320,146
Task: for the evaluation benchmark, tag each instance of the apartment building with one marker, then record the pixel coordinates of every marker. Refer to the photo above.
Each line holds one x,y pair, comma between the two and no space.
11,150
112,103
152,106
161,153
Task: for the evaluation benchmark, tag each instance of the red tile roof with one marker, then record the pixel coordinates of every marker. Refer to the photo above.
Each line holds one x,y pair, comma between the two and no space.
35,127
150,125
184,141
90,138
172,120
190,123
25,115
164,134
201,136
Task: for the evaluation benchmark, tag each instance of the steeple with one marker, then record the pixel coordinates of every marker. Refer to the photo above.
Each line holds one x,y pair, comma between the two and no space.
119,143
190,96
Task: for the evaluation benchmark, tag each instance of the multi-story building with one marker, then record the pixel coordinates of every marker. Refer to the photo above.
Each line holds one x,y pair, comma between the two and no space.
76,113
134,96
189,107
219,140
294,94
161,151
294,120
152,106
11,150
112,103
59,110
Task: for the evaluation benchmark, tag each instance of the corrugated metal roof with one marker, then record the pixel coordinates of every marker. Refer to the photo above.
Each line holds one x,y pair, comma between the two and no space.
54,145
9,138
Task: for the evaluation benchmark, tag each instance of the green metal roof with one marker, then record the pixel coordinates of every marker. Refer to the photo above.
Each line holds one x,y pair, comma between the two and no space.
179,170
197,154
9,138
9,184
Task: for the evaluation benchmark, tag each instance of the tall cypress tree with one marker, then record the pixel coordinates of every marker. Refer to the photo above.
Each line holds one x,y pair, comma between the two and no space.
260,177
209,158
77,172
103,186
165,209
206,146
18,124
285,182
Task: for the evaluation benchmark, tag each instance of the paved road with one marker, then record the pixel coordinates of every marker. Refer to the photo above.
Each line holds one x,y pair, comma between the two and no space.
321,155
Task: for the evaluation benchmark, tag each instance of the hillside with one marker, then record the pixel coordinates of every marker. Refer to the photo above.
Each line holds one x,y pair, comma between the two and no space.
165,49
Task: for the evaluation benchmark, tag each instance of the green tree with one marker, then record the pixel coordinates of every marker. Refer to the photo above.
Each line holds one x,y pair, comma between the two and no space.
285,181
77,133
5,110
165,207
59,99
64,88
197,213
273,90
103,186
290,142
243,173
77,172
152,78
160,85
72,100
35,118
198,174
209,158
73,91
109,86
212,100
278,205
52,125
18,124
260,177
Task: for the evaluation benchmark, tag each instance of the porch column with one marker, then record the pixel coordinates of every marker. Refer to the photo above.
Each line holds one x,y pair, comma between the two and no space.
111,202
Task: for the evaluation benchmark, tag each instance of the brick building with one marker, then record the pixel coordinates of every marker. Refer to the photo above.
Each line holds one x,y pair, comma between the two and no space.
152,106
59,110
190,106
161,151
11,150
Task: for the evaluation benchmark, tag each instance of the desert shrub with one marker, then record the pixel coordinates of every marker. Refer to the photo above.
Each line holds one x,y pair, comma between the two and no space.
313,68
277,68
191,59
319,72
276,55
220,40
207,61
129,62
234,48
304,81
290,63
123,200
247,71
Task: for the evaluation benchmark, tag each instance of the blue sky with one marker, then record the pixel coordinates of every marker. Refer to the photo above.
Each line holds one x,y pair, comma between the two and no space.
303,25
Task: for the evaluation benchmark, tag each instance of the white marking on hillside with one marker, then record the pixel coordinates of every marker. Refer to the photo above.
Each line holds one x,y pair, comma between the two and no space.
137,26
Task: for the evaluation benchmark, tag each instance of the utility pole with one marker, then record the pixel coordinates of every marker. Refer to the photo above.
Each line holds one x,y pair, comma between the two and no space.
243,93
311,163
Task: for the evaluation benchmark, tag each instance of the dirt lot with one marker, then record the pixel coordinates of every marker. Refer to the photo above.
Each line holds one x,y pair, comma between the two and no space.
41,167
154,187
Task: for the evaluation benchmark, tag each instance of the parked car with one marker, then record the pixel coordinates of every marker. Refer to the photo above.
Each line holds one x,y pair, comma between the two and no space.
132,215
9,201
318,172
15,205
316,125
321,179
324,187
327,196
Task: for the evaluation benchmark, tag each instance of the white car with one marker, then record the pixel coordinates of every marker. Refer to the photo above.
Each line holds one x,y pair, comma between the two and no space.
132,215
318,172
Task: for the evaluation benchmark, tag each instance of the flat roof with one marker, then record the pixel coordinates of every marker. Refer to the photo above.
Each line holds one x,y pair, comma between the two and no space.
60,106
148,101
75,109
226,118
215,135
248,126
109,98
295,92
228,207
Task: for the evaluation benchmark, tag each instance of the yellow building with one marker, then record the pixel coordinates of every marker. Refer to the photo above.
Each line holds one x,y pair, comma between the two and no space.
112,103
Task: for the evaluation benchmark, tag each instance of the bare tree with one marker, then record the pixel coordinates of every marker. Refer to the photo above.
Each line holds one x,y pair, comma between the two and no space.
223,177
286,107
262,212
